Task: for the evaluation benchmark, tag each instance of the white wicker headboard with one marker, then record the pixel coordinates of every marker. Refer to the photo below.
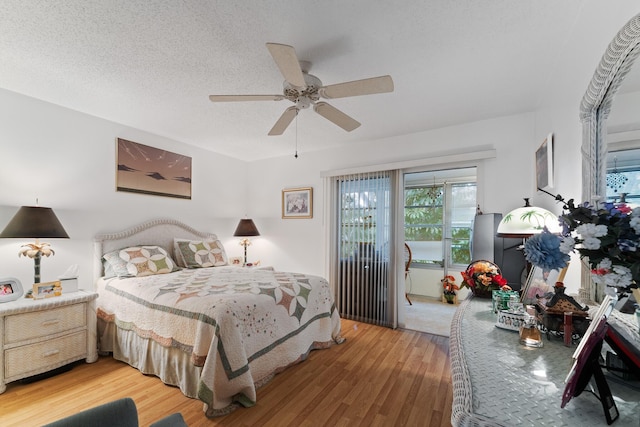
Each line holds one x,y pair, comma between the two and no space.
160,232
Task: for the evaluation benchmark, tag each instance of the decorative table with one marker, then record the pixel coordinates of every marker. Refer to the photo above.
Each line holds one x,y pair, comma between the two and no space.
498,382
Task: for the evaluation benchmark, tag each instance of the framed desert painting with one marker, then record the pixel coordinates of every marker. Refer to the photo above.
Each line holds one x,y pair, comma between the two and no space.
148,170
297,203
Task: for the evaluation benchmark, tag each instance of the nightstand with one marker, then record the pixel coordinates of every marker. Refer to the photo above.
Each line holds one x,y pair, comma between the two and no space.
37,336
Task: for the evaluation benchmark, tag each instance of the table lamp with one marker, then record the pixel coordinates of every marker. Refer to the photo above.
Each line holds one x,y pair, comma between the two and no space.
35,222
526,221
246,228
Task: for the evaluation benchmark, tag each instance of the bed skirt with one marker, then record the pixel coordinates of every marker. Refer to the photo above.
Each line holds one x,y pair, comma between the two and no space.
173,366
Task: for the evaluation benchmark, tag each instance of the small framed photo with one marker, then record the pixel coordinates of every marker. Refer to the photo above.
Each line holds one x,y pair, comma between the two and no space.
47,289
235,260
544,164
538,283
10,289
297,203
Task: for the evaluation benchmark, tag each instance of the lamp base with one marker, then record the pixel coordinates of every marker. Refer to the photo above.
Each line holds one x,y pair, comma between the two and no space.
36,268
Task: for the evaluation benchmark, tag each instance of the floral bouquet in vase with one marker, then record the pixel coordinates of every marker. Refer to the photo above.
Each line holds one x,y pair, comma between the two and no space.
608,236
482,277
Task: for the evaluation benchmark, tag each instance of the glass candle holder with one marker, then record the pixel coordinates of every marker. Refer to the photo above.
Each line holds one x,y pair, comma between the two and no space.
530,335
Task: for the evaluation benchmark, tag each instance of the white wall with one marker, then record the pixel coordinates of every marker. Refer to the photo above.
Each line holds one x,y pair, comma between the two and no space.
502,182
66,159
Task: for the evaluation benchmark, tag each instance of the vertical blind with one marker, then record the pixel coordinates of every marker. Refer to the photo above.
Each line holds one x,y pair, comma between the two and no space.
364,249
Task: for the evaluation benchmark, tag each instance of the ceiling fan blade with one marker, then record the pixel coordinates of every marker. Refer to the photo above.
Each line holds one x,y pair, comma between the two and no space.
235,98
287,60
336,116
284,121
370,86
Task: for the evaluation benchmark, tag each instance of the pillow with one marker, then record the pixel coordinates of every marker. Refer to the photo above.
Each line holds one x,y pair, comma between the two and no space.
178,254
200,253
114,266
139,261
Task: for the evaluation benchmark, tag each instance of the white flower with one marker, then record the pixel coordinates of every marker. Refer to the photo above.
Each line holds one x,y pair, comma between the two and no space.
619,277
591,230
591,243
567,244
605,264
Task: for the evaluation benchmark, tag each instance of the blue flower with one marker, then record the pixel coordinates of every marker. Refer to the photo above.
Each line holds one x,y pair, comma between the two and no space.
543,250
627,245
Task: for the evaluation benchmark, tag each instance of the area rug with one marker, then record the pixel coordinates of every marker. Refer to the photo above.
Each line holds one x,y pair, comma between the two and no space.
429,315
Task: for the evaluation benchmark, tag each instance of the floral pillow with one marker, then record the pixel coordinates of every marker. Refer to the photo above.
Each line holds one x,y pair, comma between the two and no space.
200,253
114,266
139,261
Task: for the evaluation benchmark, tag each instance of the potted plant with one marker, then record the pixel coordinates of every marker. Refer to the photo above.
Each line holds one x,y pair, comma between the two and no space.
450,288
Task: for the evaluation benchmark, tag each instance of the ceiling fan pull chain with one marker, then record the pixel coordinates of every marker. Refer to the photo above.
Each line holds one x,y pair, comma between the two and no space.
296,155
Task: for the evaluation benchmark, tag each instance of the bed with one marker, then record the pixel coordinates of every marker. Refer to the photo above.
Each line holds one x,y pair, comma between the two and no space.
218,332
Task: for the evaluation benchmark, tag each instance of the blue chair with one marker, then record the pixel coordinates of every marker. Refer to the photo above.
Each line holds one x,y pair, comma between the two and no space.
121,413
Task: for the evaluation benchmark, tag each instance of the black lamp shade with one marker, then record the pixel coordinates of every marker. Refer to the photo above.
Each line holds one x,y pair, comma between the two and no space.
246,228
34,222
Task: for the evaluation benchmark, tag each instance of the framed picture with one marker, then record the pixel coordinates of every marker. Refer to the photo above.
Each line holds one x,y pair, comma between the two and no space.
47,289
236,260
544,164
297,203
147,170
586,365
10,289
538,283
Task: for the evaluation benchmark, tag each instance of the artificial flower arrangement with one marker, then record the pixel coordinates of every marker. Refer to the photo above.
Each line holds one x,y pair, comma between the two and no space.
608,235
483,276
450,288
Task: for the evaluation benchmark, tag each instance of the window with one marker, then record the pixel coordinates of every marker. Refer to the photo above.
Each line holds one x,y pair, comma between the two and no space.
463,211
423,223
623,177
364,214
439,217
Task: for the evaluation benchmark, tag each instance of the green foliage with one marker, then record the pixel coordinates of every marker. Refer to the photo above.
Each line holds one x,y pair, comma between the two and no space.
424,218
423,215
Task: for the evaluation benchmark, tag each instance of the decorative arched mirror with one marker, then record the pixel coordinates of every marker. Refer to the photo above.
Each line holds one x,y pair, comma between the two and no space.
611,148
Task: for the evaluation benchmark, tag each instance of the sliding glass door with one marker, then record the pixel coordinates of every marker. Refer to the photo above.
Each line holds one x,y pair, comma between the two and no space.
439,209
364,229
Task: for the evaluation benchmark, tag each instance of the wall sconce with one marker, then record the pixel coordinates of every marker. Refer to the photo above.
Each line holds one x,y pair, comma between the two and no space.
246,228
35,222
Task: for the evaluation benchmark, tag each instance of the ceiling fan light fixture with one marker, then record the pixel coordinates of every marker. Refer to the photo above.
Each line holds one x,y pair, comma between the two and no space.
303,102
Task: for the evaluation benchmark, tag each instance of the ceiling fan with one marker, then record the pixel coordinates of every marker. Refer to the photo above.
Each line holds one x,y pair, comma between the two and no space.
304,90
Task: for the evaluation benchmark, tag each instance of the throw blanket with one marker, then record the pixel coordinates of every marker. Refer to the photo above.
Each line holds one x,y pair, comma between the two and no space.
241,325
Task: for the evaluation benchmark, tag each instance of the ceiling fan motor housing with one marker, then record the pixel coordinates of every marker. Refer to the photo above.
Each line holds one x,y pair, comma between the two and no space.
303,97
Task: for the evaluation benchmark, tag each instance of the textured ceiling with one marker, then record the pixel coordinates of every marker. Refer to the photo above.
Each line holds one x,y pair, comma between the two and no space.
152,64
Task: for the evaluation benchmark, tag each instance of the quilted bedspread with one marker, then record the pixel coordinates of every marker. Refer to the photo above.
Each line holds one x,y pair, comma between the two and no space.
241,325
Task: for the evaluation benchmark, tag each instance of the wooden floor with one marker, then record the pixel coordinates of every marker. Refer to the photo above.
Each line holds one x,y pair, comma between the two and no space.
378,377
